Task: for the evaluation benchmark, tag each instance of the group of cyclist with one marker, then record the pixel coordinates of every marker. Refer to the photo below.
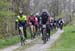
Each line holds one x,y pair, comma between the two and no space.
36,21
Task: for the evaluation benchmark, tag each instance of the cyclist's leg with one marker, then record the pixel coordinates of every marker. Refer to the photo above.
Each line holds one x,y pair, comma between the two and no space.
42,33
21,37
48,30
25,33
20,34
37,30
45,37
30,28
61,26
34,30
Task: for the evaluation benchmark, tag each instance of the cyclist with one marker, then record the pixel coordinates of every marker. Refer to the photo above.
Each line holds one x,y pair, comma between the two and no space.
51,23
39,22
21,21
33,21
54,24
60,23
45,17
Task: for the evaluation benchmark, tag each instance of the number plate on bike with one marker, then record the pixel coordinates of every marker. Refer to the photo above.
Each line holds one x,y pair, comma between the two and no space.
44,26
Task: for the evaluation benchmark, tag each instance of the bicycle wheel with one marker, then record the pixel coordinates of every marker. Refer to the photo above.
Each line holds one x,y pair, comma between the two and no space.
22,36
44,37
22,41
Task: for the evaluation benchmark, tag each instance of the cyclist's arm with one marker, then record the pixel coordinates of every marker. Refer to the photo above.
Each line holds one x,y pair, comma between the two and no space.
16,23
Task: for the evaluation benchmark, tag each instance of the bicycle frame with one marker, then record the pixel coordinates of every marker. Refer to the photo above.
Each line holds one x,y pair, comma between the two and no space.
22,35
44,35
44,29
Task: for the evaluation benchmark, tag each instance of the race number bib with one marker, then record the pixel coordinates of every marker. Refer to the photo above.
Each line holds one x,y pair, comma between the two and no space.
44,26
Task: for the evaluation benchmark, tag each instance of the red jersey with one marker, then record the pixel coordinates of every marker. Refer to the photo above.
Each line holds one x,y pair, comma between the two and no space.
33,20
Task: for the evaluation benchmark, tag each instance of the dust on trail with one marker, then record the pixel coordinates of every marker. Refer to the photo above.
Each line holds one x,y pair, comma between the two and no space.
39,46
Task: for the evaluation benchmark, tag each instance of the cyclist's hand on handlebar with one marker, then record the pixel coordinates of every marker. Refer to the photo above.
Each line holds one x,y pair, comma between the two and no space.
30,23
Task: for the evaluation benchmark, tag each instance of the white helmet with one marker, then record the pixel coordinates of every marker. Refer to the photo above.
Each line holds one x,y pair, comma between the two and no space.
37,13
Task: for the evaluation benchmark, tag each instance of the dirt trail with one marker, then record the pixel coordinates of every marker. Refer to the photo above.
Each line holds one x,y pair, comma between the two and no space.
13,47
39,46
44,47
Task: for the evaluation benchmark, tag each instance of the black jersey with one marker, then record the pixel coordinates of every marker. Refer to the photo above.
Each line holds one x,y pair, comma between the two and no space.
44,17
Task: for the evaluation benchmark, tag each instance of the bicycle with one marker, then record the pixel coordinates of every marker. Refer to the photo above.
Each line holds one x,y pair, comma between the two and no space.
32,31
44,34
22,36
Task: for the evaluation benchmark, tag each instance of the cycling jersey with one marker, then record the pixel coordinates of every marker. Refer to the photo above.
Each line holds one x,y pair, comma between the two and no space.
33,20
21,20
44,17
39,19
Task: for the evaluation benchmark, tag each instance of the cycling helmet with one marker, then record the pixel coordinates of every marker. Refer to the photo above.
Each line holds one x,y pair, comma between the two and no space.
20,12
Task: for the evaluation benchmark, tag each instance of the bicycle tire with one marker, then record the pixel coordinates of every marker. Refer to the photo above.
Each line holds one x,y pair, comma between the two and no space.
22,37
44,37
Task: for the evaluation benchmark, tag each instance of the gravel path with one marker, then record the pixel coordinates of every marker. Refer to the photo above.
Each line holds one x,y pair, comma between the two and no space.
44,47
13,47
39,46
